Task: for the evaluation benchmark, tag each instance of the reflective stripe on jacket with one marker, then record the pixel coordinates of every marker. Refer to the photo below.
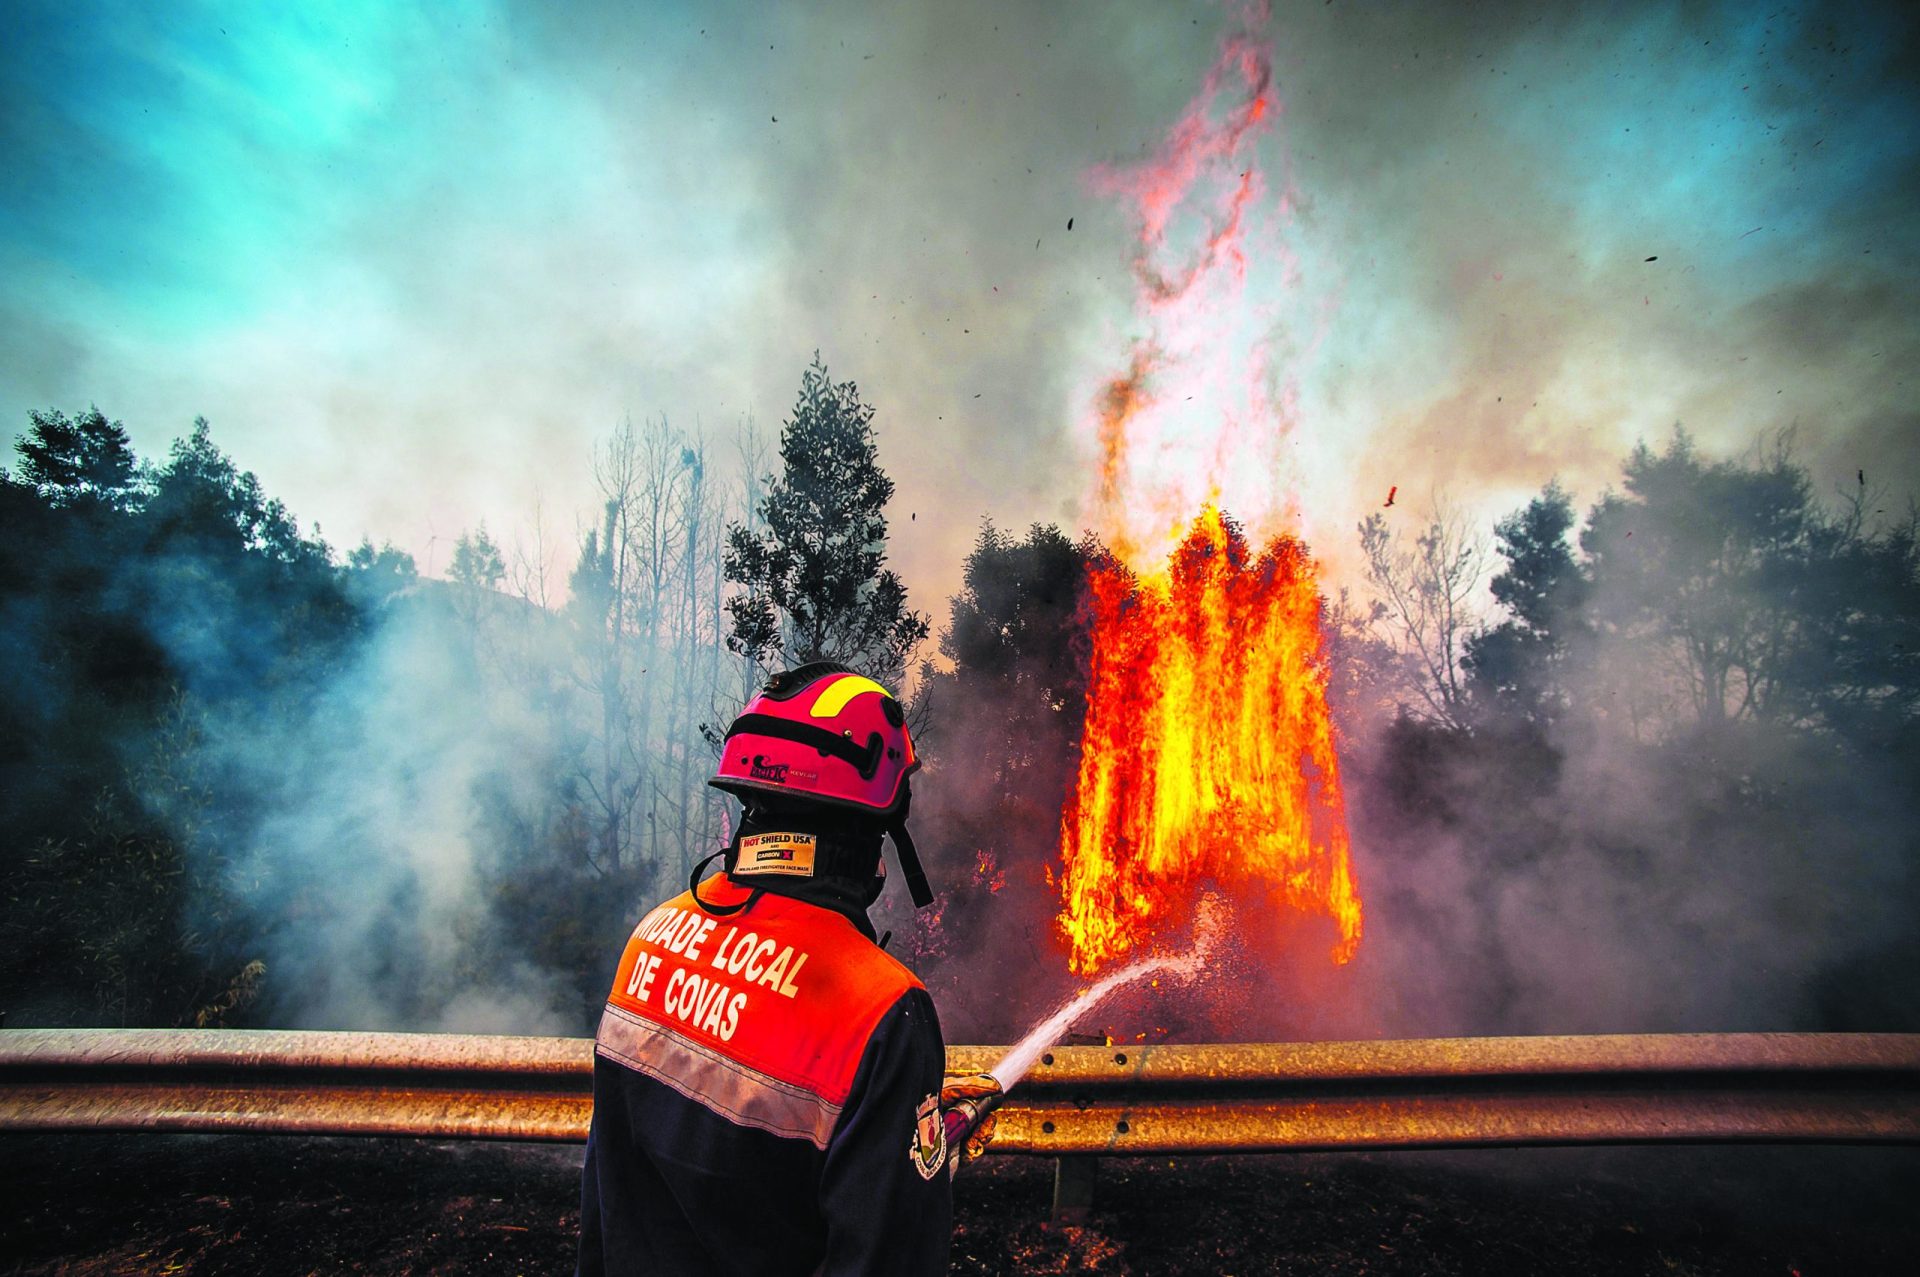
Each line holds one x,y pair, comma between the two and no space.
760,1081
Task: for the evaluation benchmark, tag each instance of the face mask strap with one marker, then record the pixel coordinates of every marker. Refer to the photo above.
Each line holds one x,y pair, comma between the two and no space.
719,911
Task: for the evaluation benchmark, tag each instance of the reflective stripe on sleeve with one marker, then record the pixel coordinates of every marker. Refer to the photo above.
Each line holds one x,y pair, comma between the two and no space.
742,1095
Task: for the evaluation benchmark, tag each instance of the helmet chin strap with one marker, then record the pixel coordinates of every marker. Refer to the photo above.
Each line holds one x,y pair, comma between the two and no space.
909,858
906,853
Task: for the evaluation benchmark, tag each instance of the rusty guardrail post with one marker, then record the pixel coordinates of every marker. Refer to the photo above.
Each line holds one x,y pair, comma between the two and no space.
1076,1177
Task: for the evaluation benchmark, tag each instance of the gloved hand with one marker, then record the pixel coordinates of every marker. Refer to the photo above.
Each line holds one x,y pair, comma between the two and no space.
961,1102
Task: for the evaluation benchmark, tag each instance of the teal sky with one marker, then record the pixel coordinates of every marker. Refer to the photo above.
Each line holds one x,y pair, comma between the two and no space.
411,262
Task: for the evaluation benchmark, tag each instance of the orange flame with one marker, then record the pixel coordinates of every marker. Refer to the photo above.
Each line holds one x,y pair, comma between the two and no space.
988,871
1208,750
1201,412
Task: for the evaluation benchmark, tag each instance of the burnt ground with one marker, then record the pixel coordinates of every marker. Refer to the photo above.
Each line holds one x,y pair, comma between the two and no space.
250,1205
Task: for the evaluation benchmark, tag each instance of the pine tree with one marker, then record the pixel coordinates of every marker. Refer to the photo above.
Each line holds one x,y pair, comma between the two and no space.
477,561
1516,665
79,460
815,584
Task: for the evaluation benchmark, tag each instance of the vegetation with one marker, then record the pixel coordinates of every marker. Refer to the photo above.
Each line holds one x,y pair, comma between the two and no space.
243,780
141,603
1681,738
814,576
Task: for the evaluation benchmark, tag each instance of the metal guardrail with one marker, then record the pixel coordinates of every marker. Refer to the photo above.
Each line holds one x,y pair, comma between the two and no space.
296,1083
1121,1100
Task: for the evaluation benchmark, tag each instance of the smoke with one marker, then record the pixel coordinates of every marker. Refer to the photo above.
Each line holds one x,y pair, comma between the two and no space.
487,235
383,812
1596,887
500,235
1632,862
1750,878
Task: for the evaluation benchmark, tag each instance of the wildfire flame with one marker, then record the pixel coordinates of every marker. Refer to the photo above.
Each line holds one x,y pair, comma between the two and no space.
1208,750
1200,411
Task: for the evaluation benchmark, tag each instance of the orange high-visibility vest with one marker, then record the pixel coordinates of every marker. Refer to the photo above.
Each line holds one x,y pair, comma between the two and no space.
766,1100
761,1016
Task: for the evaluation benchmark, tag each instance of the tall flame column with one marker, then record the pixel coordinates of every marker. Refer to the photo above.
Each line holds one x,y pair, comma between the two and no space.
1208,750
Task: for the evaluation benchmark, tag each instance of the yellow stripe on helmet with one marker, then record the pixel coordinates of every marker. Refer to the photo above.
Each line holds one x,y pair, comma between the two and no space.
842,690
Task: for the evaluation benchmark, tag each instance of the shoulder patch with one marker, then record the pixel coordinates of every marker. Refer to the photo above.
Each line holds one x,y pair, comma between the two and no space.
929,1147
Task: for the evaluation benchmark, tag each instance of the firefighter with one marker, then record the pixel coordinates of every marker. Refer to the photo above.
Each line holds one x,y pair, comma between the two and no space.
767,1082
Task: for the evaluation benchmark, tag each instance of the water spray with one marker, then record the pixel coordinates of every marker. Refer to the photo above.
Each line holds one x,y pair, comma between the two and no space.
1019,1060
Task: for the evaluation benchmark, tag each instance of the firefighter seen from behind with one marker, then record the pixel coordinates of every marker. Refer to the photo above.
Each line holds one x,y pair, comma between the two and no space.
768,1089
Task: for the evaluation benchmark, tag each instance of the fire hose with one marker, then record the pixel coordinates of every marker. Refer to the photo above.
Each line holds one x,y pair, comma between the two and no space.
981,1095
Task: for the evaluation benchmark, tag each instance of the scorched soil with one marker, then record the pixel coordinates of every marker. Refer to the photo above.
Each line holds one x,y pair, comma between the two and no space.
268,1205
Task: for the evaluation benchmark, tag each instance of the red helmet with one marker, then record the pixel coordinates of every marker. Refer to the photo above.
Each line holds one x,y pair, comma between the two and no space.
824,734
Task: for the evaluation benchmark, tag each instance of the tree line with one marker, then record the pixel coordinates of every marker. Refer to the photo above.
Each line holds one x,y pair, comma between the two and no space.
194,680
1712,638
1699,595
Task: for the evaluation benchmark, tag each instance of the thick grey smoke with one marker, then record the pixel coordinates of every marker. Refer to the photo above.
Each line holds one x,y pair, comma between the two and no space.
456,827
376,865
1638,889
1534,234
1663,855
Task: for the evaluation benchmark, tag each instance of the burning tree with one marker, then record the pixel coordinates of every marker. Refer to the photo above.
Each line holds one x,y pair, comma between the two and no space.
1208,751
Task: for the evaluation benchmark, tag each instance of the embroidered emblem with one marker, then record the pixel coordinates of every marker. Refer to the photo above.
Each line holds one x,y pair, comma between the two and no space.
929,1147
